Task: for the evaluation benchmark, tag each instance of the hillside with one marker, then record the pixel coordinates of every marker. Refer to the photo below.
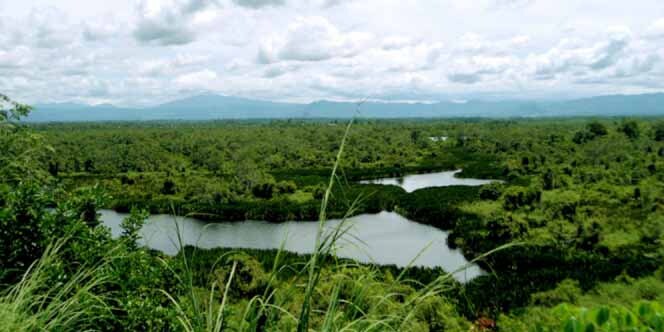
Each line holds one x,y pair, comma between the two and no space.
216,107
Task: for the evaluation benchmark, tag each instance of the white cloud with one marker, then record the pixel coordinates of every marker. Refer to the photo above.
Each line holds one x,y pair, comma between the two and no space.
199,79
255,4
412,58
333,3
279,69
46,28
170,66
312,39
238,64
303,50
15,58
656,29
637,65
475,68
511,4
474,43
170,22
398,42
100,30
570,55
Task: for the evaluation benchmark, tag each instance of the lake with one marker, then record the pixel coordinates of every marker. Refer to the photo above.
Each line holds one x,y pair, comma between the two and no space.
383,238
414,182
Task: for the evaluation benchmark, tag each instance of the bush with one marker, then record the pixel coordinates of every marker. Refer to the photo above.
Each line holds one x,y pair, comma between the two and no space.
491,191
517,197
567,290
630,129
249,279
597,129
22,229
286,187
592,131
643,316
168,187
263,190
659,132
581,137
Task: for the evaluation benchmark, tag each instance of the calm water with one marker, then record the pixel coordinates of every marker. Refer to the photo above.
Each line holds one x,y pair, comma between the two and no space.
414,182
383,238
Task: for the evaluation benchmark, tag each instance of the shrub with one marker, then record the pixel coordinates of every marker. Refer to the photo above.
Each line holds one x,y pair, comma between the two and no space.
286,187
516,197
22,233
630,129
263,190
249,279
597,129
168,187
491,191
567,290
659,131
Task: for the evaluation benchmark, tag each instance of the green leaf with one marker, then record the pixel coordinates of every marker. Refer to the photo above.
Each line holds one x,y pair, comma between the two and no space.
644,309
658,323
629,320
602,316
572,325
590,327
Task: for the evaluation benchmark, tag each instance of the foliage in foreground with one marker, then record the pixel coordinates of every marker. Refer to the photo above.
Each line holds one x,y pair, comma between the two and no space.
644,316
69,305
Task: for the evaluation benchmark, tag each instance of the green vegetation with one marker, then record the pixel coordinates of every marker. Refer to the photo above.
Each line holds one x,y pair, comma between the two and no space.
248,170
578,220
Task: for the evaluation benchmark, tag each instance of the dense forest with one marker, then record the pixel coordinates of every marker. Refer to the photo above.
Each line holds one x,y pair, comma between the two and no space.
572,238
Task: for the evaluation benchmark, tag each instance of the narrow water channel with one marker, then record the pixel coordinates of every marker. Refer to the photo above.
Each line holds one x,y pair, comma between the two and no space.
414,182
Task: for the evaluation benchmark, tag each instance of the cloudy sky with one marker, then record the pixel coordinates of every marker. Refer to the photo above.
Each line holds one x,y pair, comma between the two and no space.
143,52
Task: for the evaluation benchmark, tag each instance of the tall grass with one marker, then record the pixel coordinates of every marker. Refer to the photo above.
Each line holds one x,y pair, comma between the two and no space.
33,305
324,242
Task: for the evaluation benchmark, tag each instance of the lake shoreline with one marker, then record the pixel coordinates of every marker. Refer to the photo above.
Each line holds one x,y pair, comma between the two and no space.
376,197
385,238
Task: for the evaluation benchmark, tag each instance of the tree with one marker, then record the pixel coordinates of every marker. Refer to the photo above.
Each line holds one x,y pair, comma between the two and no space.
54,168
168,187
263,190
415,136
597,129
592,131
132,225
630,129
11,111
286,187
491,191
22,151
21,228
659,131
89,166
581,137
549,179
516,197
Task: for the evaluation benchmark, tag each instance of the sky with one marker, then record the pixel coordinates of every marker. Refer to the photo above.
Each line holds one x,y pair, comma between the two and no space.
146,52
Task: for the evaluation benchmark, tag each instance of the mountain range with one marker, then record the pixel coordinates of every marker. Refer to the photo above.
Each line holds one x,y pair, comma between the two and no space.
217,107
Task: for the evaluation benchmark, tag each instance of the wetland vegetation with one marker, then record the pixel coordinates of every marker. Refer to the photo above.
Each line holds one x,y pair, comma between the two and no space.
571,237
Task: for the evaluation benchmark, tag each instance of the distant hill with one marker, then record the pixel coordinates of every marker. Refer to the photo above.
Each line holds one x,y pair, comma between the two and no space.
213,107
